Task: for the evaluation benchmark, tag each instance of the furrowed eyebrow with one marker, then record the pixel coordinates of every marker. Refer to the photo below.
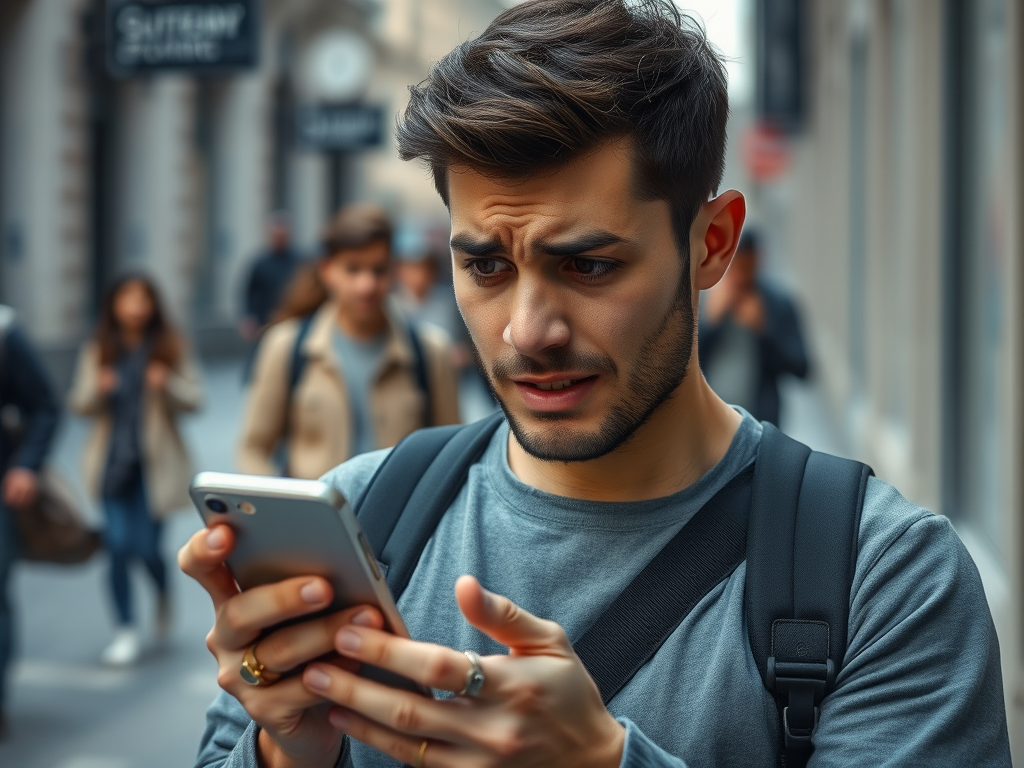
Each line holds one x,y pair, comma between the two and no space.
471,247
583,244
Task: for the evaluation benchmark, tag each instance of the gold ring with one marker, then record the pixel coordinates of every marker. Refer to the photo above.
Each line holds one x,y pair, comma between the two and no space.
253,672
419,757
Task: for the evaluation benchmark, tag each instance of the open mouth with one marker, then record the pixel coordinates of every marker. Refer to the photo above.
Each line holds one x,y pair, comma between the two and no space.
554,386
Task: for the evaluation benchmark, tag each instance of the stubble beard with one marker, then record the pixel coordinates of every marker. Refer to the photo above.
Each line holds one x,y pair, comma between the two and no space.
661,366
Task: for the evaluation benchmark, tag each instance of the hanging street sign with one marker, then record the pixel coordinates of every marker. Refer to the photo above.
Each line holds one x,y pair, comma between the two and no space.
339,127
145,36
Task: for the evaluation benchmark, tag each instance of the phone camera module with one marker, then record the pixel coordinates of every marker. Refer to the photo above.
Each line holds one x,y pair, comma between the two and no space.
217,505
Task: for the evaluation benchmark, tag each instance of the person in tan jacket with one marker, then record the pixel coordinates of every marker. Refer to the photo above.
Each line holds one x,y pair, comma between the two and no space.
341,372
134,378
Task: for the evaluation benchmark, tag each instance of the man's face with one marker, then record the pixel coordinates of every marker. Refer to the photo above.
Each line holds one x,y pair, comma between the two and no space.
279,236
743,271
358,280
574,294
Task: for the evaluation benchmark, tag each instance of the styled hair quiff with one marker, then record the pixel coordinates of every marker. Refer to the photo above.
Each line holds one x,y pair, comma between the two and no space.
550,80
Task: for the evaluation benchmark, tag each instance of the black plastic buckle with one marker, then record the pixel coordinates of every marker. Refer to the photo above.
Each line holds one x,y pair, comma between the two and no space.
805,685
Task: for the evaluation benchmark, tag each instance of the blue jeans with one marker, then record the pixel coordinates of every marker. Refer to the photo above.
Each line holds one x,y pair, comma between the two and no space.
9,543
132,533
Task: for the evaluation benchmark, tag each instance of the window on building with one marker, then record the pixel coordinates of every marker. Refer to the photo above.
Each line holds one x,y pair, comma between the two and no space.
981,253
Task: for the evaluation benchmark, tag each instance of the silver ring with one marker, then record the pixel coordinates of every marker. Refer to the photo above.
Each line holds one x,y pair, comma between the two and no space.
474,677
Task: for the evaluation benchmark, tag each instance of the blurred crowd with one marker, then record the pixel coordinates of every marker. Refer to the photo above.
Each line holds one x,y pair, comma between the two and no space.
349,350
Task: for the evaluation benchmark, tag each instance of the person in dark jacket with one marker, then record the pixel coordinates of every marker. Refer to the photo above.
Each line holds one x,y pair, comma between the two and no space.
26,399
271,271
750,336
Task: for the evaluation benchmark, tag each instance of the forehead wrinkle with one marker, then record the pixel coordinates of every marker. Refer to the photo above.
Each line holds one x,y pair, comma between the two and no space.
519,226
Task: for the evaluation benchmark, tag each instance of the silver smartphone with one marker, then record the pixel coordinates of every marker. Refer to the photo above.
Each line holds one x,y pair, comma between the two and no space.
285,528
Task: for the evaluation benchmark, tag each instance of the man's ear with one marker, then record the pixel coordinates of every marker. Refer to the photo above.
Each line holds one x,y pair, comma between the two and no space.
714,237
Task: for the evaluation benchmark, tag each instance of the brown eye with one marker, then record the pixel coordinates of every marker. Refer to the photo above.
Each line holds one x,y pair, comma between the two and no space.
592,268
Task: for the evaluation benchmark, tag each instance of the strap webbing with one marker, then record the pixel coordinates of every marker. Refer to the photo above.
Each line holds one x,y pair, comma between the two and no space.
419,369
798,607
698,558
424,473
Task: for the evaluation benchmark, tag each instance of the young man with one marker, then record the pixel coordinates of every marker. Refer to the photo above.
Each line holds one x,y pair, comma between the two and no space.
750,336
578,145
342,375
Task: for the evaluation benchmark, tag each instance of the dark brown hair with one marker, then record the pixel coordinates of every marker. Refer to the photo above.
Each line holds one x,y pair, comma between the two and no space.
356,226
165,343
549,80
304,295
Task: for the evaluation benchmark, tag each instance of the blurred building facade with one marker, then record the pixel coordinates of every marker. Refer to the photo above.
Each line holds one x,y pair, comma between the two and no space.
176,173
897,224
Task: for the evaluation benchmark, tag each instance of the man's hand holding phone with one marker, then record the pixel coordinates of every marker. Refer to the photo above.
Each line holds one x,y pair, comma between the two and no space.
295,729
537,706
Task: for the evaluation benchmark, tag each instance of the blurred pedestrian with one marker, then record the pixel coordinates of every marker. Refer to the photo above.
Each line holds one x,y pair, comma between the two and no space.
340,374
750,336
270,273
30,412
420,291
134,378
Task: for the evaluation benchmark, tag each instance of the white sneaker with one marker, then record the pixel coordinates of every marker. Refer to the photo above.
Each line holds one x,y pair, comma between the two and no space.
125,650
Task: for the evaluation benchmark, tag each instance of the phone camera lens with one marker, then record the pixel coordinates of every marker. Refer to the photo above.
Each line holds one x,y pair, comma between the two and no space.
217,505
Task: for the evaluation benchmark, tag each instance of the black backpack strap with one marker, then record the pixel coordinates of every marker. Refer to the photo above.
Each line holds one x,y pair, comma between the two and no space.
702,555
419,369
801,554
413,488
297,364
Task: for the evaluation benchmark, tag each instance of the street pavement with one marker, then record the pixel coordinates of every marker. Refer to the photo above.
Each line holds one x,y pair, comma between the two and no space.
67,711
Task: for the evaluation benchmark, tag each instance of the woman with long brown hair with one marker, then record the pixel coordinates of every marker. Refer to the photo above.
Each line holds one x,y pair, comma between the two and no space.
134,377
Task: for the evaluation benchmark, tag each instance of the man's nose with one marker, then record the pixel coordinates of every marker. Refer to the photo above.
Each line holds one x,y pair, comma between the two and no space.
537,321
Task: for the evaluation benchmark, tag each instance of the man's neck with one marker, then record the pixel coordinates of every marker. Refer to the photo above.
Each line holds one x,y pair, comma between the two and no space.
687,436
359,328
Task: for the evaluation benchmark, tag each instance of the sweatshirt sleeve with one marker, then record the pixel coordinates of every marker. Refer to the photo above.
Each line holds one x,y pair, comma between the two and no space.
640,752
921,681
229,740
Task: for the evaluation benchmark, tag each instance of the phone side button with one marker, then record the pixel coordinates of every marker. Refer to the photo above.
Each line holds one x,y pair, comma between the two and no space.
368,553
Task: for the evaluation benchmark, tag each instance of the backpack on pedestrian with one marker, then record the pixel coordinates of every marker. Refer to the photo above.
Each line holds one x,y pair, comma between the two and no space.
794,517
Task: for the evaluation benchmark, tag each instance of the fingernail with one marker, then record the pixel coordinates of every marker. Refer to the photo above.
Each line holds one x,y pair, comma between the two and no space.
339,719
488,597
313,592
216,539
347,640
316,678
363,619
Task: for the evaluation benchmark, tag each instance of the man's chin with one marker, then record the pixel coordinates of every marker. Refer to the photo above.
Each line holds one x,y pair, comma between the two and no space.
560,436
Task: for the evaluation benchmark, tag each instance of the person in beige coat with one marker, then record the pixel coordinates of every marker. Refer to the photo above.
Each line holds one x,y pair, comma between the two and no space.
341,373
133,379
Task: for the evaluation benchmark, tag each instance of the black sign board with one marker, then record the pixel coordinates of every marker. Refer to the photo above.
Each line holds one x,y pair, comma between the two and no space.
339,127
781,63
186,35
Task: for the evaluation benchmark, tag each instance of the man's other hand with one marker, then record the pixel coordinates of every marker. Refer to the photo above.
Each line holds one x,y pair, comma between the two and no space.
21,487
293,720
538,706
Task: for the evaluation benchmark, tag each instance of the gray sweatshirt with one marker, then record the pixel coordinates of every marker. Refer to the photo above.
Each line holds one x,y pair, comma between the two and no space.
920,685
